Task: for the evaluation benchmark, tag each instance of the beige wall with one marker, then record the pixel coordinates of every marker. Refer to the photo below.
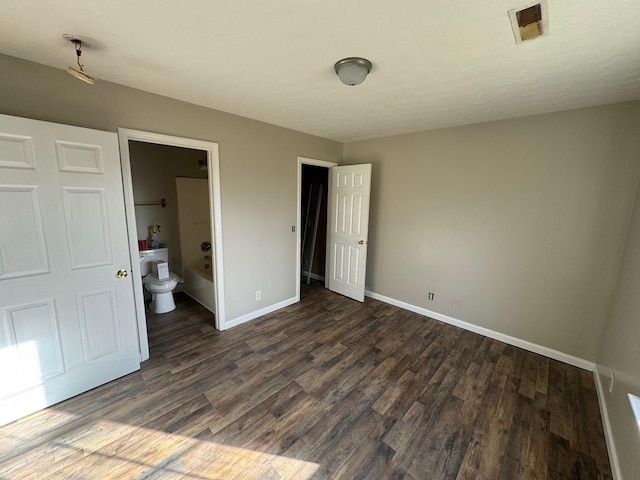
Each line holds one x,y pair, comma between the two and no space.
523,220
154,169
258,166
620,352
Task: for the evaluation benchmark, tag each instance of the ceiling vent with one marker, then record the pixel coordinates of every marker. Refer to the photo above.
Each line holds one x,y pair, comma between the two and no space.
529,21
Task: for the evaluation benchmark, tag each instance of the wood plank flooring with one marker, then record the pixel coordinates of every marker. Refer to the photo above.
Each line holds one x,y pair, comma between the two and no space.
327,389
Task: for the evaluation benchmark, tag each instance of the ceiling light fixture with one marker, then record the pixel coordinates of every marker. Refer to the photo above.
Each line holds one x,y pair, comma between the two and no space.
352,70
79,74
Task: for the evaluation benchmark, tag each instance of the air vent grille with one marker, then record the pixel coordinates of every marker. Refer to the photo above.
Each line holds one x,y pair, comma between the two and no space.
529,21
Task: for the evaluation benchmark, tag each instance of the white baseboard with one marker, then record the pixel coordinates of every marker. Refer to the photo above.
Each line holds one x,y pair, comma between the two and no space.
315,276
258,313
516,342
608,433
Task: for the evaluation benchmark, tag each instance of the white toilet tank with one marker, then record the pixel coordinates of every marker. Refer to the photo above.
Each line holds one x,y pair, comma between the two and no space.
148,256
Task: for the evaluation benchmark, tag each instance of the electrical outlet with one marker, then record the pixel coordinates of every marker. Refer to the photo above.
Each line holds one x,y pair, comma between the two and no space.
258,295
455,303
431,296
612,382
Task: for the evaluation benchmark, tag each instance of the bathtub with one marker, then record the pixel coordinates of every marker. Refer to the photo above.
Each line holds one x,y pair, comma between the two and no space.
198,284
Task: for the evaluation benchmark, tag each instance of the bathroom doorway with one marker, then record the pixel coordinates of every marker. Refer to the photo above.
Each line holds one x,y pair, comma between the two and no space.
152,165
155,169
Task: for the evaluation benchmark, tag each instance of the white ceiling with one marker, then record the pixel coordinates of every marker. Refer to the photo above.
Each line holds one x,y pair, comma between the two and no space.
437,63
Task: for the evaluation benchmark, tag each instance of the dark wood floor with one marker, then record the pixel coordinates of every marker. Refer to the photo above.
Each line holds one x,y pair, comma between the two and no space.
327,388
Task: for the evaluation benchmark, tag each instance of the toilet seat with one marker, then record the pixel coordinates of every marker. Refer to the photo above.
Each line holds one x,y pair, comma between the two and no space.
153,281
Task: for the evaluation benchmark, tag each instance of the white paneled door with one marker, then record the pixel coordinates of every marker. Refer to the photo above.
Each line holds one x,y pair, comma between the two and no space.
348,229
67,317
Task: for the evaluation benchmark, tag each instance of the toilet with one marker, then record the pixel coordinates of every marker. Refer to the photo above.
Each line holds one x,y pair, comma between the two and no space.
161,290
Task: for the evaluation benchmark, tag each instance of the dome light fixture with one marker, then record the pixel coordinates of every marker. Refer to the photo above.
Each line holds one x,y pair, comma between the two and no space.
352,70
79,74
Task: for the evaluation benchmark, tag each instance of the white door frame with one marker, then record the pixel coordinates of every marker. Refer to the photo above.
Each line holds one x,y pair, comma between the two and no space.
317,163
213,167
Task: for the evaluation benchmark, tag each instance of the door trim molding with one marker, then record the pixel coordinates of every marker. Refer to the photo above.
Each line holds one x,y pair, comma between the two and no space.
213,166
317,163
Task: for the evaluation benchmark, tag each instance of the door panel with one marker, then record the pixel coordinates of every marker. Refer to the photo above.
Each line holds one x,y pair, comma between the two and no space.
100,334
32,326
67,323
19,207
350,187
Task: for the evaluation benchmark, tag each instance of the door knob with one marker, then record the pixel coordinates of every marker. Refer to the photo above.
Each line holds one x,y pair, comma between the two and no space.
122,273
361,242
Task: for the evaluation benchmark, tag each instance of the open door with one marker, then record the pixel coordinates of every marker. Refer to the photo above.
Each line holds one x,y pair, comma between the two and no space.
349,191
67,317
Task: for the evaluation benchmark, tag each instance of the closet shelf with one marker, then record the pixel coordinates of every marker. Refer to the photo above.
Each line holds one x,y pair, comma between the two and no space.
162,202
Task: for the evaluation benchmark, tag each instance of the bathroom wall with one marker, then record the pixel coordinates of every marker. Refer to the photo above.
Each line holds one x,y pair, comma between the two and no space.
194,218
154,169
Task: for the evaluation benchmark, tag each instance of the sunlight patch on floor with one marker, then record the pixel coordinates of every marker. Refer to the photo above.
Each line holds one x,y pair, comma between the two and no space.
106,449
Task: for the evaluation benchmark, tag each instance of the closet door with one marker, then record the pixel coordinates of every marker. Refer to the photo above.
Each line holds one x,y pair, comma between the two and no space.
349,190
